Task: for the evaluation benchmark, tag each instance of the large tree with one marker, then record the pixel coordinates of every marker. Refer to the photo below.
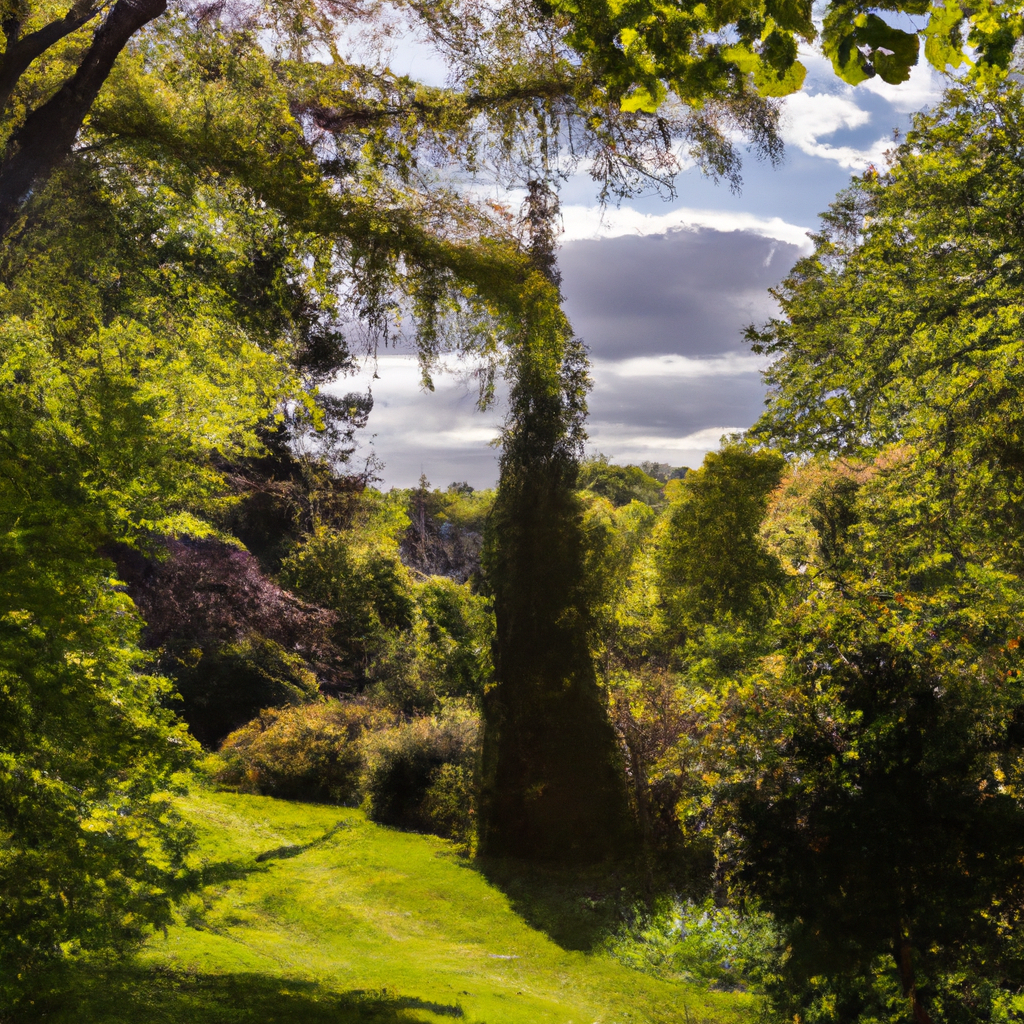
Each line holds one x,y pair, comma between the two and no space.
871,790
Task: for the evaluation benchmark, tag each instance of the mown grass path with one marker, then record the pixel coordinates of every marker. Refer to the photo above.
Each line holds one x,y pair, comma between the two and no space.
314,914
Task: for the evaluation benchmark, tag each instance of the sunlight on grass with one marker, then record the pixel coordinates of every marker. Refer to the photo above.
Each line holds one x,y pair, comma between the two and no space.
315,914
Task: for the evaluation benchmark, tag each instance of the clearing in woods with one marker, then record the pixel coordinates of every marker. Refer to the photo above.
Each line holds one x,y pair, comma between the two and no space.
313,914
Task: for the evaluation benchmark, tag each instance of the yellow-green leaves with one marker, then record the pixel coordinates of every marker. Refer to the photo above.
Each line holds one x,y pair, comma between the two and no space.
943,42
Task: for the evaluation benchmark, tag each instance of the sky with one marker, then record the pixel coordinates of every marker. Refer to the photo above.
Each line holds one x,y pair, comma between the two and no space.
660,292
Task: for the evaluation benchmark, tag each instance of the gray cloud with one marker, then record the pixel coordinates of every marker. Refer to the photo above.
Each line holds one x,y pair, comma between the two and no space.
674,406
663,315
687,292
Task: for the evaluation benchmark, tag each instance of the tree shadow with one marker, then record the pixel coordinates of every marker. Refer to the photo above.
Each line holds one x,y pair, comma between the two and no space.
150,995
292,850
578,908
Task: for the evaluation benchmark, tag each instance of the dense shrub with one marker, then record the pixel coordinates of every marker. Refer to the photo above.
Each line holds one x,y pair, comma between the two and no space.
454,630
411,643
311,752
356,572
232,640
419,774
227,686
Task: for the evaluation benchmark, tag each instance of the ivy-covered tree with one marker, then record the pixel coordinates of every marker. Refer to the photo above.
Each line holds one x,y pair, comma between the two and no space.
551,783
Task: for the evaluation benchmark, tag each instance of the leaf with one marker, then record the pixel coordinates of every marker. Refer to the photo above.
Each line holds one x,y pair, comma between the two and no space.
768,83
893,51
643,99
943,44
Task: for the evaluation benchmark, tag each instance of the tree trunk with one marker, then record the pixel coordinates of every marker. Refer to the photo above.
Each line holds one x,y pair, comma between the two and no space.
903,954
49,131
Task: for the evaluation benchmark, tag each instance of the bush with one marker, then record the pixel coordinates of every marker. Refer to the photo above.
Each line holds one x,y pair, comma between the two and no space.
702,943
224,687
311,752
419,775
454,631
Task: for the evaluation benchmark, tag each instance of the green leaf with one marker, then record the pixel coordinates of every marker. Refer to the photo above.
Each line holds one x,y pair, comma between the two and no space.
893,51
771,84
943,44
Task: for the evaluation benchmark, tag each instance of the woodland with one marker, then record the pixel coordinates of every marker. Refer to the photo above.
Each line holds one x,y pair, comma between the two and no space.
750,733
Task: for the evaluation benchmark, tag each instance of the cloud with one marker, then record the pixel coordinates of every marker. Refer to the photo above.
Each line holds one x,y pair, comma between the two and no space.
671,367
663,315
808,117
684,293
827,106
922,89
593,222
663,414
626,447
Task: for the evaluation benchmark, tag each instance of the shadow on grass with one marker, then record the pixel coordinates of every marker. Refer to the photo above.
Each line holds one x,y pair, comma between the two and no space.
140,995
291,850
578,908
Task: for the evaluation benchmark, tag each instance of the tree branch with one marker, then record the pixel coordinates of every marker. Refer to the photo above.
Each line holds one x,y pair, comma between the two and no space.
21,52
49,132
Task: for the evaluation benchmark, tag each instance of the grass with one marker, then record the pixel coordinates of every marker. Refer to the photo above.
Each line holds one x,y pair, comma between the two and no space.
313,914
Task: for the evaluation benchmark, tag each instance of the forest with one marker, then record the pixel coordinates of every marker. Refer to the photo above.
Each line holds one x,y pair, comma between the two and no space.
738,742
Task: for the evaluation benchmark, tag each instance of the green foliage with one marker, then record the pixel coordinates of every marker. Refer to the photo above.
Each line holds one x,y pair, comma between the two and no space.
453,633
127,368
867,775
903,324
872,799
311,752
619,484
414,643
703,943
358,574
420,774
92,849
227,686
644,52
712,560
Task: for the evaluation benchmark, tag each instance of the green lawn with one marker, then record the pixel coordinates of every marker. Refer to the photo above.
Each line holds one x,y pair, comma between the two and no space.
315,915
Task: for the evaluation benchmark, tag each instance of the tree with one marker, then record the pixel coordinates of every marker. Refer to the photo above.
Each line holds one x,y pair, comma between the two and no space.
551,788
713,561
869,765
619,484
134,356
870,790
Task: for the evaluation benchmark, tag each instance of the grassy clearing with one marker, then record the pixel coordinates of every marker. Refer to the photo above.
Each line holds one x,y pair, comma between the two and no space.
313,914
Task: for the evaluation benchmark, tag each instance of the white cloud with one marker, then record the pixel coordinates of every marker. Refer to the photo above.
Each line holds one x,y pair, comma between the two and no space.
677,366
702,440
622,445
827,105
590,222
808,117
